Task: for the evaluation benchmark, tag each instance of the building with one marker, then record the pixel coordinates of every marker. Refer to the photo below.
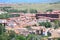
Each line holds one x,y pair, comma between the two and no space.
2,12
55,34
3,21
51,17
43,19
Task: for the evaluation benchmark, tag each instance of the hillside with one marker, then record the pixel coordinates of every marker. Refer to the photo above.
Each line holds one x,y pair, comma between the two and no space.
40,7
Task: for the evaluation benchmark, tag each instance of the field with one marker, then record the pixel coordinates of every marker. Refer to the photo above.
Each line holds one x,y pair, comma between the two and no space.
39,7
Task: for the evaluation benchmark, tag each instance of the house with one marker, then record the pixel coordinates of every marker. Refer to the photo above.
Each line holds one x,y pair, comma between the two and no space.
43,19
56,11
55,34
38,29
3,21
22,31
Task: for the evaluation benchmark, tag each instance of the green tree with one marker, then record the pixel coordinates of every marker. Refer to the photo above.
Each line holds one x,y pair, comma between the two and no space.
49,10
11,35
7,15
56,22
46,24
33,11
20,37
2,28
3,36
33,37
58,38
3,16
25,11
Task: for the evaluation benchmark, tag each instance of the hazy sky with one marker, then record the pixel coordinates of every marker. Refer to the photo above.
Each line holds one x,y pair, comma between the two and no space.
28,1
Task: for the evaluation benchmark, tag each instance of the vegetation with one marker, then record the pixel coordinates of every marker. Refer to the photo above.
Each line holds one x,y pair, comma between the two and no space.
2,29
33,11
3,35
49,10
7,15
5,7
33,37
38,7
57,24
17,11
11,35
46,24
58,38
12,10
20,37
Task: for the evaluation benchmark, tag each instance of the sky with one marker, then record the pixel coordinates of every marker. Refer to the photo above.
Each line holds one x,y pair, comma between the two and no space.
28,1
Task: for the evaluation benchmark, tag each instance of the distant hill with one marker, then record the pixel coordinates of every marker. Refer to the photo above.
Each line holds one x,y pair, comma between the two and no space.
39,7
56,2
